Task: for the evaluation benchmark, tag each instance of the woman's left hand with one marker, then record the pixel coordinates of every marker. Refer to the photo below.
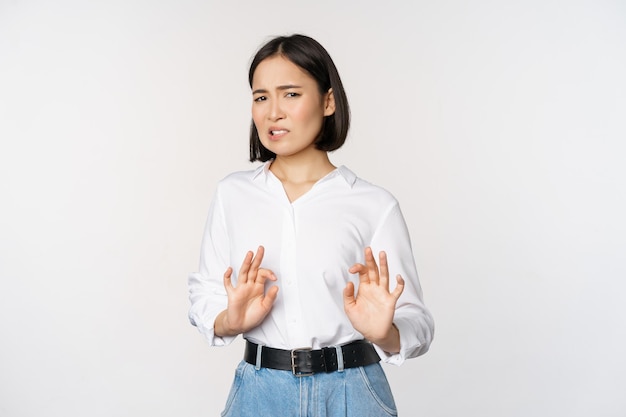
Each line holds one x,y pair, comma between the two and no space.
371,311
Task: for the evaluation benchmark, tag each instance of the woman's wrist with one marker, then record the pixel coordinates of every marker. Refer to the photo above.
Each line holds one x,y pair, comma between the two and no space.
221,327
390,343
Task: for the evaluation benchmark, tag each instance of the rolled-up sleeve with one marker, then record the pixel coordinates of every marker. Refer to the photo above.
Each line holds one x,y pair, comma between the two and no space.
412,318
206,287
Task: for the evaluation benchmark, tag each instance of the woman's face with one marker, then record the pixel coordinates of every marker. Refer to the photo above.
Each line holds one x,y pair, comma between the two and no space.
287,107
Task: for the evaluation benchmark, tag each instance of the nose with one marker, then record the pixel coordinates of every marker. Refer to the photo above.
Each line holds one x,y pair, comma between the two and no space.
275,111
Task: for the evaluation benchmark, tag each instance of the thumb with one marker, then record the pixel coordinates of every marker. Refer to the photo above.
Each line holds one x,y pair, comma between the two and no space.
227,279
348,294
270,296
399,287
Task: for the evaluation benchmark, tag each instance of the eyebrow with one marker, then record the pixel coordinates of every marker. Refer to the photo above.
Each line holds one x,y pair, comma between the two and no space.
280,87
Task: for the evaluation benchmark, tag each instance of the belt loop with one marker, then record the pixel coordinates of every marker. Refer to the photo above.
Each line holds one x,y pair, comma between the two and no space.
259,348
339,358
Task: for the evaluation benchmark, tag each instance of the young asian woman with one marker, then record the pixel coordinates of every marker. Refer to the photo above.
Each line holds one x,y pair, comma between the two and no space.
310,263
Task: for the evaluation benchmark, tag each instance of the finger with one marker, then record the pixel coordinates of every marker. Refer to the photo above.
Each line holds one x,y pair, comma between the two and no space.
270,297
256,263
263,275
399,287
227,279
245,267
362,271
384,270
371,265
348,295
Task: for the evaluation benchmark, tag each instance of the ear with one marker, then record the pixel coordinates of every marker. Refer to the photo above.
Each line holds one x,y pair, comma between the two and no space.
329,103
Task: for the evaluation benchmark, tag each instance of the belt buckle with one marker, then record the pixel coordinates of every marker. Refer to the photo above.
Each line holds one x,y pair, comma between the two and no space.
293,361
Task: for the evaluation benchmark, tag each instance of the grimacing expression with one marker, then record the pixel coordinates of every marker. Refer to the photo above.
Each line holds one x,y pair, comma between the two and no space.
287,108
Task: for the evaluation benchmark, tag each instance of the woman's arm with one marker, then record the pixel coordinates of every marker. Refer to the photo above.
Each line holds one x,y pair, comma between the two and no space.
412,322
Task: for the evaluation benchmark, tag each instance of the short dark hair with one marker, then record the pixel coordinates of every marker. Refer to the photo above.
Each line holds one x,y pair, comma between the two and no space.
311,57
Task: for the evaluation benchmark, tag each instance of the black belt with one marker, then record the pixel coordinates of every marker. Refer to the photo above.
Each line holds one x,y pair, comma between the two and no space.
303,362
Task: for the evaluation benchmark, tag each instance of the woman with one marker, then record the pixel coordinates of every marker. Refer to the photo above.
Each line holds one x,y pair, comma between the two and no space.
313,347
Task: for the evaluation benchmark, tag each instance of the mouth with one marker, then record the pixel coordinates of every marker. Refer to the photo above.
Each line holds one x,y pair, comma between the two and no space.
277,133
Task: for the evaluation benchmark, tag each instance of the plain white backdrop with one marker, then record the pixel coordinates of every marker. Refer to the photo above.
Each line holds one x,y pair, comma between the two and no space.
499,126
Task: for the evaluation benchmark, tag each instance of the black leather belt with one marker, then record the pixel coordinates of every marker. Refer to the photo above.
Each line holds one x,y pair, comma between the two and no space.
303,362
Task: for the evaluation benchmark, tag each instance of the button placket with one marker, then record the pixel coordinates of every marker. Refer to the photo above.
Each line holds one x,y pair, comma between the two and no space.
293,307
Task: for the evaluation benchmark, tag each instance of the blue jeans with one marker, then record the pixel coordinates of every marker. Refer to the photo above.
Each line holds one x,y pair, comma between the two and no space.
353,392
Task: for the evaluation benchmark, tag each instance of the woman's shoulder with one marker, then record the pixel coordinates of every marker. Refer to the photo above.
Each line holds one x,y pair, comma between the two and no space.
364,187
241,177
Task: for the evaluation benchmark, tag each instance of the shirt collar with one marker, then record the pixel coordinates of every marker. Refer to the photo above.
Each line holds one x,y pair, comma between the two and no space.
262,171
347,175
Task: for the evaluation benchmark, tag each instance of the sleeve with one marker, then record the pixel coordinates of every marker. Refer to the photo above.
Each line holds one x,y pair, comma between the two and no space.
206,287
412,318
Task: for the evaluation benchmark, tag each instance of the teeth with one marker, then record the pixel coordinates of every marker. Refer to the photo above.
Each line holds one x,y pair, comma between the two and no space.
277,132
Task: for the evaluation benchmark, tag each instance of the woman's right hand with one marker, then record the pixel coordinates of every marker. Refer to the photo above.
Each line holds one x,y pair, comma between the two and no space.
248,304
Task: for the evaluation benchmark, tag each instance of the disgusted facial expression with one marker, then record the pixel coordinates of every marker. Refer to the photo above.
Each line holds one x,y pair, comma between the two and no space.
287,108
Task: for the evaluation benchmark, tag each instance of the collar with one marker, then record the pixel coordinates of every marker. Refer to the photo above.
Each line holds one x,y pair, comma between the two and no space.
262,172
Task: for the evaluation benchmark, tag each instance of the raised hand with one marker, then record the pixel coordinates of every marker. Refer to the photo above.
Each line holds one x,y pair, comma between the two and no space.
371,311
248,304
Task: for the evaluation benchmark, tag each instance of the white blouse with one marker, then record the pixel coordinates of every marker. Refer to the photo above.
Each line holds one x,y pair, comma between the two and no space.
309,245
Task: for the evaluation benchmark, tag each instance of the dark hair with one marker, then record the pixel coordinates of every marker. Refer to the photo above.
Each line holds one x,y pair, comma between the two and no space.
311,57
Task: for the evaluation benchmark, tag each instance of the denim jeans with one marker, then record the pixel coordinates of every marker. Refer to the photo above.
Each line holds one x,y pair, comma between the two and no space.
353,392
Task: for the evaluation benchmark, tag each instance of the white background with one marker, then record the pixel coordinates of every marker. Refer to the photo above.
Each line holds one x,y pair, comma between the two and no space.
500,127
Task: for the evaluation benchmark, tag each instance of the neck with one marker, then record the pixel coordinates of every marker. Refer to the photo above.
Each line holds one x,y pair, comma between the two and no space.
302,168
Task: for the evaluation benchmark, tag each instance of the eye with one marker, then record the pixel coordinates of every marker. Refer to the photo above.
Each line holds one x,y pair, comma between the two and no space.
292,94
260,98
